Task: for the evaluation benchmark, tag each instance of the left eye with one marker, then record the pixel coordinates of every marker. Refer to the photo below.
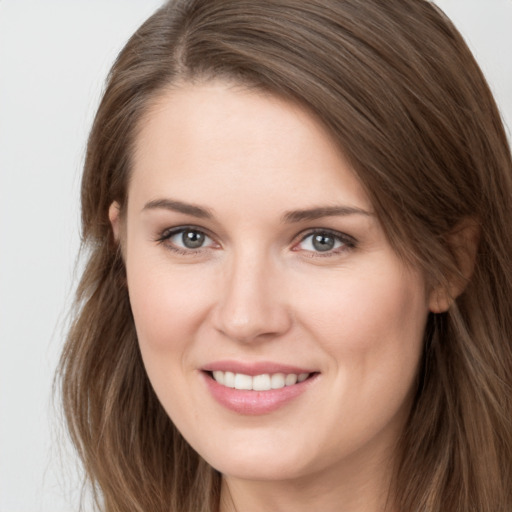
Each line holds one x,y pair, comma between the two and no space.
321,241
188,238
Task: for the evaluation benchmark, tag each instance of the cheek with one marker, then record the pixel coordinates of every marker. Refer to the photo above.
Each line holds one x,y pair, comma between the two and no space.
169,308
168,301
371,324
372,329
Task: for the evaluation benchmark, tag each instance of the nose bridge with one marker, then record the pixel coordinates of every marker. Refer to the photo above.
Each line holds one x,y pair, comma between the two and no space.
251,303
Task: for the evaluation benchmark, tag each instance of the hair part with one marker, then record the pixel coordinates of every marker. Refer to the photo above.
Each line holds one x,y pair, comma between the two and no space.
403,97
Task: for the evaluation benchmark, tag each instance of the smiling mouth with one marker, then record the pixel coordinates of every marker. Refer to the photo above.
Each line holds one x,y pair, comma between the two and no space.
262,382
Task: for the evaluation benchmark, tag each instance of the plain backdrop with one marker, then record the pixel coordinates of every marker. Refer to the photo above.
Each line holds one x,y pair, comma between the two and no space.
54,56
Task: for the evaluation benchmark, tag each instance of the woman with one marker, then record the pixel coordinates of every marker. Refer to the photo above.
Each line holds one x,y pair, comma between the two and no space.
297,294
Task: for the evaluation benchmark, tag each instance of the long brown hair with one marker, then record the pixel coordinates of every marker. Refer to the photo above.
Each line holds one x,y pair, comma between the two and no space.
399,90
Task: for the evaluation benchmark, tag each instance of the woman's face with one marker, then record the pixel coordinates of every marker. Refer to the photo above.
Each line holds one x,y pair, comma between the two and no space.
254,260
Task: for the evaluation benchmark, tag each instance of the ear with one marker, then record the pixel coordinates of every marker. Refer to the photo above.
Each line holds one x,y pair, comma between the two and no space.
463,241
114,213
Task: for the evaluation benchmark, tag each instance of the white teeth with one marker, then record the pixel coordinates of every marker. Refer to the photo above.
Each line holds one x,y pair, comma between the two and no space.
243,381
263,382
219,377
277,380
291,379
229,379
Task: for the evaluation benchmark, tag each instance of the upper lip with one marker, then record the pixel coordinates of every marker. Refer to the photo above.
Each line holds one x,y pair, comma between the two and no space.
254,368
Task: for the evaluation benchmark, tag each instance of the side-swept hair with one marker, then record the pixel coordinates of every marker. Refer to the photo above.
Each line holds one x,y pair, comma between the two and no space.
400,92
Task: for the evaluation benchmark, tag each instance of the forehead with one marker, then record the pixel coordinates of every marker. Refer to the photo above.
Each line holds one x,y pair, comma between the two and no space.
215,140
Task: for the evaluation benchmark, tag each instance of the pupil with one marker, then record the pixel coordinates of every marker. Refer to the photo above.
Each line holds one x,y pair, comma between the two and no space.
323,242
193,239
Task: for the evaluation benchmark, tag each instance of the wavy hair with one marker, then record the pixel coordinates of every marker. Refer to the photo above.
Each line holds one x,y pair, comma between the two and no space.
402,95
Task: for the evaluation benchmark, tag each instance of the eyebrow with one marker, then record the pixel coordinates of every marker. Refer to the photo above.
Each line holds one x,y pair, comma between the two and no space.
289,217
180,207
322,211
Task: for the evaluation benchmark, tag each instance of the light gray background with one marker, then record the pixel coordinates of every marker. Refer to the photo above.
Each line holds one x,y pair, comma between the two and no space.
54,56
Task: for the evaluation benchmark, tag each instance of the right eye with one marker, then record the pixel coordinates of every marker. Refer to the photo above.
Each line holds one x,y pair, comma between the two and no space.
186,239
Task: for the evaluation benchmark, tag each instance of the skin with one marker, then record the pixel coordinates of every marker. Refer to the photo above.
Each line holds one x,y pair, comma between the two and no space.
259,290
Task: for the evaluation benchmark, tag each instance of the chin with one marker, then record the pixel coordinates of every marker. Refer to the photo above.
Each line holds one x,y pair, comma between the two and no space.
258,468
260,461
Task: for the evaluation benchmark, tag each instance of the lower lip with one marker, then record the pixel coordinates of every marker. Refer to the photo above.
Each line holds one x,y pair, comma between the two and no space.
255,402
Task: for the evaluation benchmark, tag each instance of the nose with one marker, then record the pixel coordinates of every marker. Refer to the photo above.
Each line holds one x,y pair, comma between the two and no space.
251,302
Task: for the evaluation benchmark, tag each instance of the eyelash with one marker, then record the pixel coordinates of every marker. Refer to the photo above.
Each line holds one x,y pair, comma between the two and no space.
346,242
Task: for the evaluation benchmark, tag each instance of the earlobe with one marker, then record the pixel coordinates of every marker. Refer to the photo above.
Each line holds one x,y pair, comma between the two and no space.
440,300
463,241
114,213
